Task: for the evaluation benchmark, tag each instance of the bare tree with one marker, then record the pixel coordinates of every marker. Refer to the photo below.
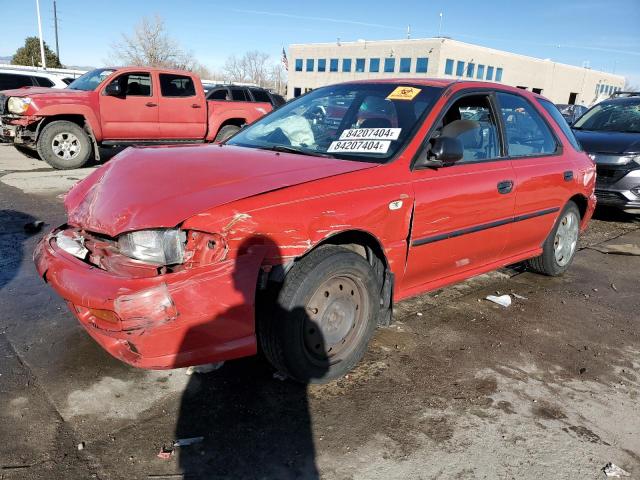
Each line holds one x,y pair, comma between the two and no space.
629,87
252,67
235,69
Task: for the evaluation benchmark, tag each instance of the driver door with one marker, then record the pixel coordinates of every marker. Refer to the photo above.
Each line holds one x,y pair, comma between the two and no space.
463,213
134,114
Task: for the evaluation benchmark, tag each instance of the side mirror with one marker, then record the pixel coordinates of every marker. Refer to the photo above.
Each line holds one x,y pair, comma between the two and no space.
444,152
113,89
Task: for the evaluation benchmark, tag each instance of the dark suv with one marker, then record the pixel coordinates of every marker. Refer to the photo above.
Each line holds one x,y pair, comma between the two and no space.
239,93
610,134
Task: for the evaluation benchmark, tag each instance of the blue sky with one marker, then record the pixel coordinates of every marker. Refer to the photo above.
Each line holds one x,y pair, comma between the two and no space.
604,33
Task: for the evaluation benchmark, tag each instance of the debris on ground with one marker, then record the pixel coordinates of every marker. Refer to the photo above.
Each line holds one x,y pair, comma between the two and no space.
185,442
613,286
81,446
622,249
165,453
206,368
419,314
612,470
519,297
504,300
280,376
33,227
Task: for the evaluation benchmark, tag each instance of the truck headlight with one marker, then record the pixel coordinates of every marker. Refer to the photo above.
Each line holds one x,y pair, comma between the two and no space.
159,246
18,105
636,158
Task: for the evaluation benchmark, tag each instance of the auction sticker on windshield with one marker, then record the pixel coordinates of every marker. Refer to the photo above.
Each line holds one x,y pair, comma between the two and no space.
359,146
371,134
404,93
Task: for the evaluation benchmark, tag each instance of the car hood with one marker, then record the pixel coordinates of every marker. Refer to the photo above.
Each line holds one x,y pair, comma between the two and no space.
608,142
161,187
36,92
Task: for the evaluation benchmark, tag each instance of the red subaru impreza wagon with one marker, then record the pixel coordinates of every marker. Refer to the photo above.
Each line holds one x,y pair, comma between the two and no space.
299,233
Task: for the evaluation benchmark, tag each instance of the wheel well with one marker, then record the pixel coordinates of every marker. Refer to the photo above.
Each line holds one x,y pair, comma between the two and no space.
77,119
363,243
238,122
582,203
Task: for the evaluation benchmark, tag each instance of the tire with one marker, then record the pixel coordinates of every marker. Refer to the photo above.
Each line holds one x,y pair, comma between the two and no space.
559,249
313,340
27,152
64,145
226,132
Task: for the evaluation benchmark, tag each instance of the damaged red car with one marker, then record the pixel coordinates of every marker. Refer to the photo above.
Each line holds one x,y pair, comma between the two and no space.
297,235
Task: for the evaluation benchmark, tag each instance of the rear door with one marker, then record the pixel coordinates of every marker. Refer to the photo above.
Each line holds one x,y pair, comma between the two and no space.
543,175
183,112
463,213
134,114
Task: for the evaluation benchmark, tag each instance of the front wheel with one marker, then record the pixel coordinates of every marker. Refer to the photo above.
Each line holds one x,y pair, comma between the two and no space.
226,132
560,247
325,315
64,145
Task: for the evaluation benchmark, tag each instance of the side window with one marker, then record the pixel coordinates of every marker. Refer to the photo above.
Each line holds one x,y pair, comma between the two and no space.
43,81
219,94
9,81
562,123
135,84
472,121
260,95
527,133
239,95
176,85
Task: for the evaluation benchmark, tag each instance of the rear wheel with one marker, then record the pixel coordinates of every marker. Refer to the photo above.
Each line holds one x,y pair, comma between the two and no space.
559,248
325,315
64,145
226,132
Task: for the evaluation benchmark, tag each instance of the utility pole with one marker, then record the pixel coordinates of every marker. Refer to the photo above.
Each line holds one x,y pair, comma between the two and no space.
440,26
43,60
55,26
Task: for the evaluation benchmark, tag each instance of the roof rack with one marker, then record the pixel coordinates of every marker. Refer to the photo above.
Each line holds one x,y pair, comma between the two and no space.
624,94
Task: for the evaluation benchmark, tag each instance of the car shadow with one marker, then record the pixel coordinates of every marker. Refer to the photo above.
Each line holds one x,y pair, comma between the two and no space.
255,425
15,229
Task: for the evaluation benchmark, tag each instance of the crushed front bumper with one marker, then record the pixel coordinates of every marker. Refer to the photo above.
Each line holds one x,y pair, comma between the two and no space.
18,130
192,317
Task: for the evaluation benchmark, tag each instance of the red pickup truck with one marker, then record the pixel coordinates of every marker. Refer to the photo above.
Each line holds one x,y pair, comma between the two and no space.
124,106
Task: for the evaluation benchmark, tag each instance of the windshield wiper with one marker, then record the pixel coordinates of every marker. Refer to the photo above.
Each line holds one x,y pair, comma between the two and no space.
300,151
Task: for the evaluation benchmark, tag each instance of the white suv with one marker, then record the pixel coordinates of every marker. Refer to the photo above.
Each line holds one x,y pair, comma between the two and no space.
10,79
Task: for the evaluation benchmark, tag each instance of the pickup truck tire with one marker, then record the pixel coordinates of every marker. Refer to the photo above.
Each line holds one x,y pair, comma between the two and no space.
64,145
325,314
226,132
561,245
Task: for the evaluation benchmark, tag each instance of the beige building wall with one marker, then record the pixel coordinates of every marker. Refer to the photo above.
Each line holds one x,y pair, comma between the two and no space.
559,82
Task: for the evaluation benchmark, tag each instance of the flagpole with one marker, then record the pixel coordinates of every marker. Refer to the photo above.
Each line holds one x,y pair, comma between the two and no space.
43,60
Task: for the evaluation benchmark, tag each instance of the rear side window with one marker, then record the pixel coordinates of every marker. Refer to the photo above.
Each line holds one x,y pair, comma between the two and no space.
562,123
260,95
219,94
9,81
43,82
176,85
527,133
239,95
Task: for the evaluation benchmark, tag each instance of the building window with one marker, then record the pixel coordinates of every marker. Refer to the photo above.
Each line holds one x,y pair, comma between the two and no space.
333,65
360,65
298,64
489,73
389,65
448,68
498,74
309,64
480,74
405,65
322,64
346,64
471,68
374,65
459,68
422,64
297,91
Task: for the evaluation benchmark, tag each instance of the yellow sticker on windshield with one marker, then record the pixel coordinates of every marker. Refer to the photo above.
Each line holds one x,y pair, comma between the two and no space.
404,93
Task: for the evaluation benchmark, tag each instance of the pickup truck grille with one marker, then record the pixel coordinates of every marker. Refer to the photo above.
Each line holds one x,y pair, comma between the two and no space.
3,103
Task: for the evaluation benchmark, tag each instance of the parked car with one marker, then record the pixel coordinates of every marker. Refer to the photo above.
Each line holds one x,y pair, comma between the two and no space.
245,94
11,79
610,133
301,231
571,112
119,106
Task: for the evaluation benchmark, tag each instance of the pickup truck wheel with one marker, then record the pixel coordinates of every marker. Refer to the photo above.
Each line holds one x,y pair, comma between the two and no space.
226,132
325,315
560,247
64,145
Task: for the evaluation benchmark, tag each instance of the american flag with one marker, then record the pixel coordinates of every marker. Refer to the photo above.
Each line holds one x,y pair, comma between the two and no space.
285,62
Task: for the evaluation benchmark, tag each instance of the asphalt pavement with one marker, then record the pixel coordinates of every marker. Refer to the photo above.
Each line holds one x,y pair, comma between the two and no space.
456,388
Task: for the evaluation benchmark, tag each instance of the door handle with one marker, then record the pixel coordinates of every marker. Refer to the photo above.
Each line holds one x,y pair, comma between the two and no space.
568,176
151,104
196,105
505,186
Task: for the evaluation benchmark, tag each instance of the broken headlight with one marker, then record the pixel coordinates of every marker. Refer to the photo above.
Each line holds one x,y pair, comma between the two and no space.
159,246
18,105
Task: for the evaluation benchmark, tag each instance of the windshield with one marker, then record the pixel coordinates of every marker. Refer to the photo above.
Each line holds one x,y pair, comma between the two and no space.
367,122
612,117
90,80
